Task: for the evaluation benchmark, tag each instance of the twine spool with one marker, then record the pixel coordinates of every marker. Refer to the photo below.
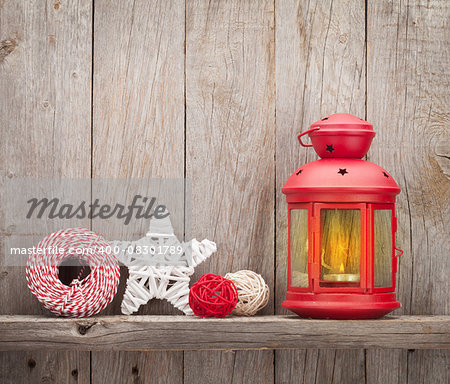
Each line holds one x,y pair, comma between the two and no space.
213,296
84,297
253,292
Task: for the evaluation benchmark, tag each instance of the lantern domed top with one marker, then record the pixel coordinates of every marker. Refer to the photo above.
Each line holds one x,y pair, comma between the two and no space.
341,180
341,140
343,122
340,135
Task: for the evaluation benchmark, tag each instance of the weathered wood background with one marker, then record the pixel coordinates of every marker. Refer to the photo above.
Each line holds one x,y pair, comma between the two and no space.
216,91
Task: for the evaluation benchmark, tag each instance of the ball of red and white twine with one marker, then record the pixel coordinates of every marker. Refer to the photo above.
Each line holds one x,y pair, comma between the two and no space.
84,297
253,292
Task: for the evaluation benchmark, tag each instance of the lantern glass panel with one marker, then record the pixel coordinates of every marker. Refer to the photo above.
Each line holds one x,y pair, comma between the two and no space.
299,247
341,245
383,247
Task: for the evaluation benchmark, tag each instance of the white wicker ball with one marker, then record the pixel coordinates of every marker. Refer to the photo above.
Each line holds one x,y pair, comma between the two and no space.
253,292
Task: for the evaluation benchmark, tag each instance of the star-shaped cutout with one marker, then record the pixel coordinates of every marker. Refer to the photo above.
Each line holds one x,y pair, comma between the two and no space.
386,175
299,171
342,171
330,148
160,266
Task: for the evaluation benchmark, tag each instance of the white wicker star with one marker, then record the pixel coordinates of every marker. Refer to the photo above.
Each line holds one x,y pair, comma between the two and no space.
160,266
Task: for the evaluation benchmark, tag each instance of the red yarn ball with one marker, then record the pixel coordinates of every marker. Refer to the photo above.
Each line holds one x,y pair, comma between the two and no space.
213,296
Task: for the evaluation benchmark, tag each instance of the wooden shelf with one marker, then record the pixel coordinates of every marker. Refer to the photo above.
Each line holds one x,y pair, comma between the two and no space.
234,333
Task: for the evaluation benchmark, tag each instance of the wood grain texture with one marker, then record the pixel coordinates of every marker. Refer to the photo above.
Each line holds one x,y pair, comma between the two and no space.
138,132
58,367
408,97
387,365
137,367
320,70
234,333
428,366
45,117
42,134
407,102
234,366
319,366
230,143
311,39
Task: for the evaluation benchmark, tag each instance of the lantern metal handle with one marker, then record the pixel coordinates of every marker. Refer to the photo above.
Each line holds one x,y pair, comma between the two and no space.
401,252
305,133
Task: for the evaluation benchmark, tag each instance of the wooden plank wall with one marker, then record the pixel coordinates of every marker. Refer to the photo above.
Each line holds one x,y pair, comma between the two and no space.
321,69
408,103
45,132
138,132
227,85
230,110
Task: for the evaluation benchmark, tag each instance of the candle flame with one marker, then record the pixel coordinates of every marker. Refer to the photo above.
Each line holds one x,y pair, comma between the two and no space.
341,269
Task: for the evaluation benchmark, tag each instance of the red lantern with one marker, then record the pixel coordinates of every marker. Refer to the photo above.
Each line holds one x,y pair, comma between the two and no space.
342,260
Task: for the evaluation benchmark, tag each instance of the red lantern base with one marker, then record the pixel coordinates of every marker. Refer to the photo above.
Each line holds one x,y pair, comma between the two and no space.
341,306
